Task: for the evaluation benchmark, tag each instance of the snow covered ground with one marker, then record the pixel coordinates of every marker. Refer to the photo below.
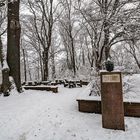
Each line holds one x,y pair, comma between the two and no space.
41,115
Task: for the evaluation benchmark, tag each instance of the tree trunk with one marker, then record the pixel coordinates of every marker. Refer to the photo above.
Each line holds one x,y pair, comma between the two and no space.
106,40
45,62
53,63
5,82
137,61
73,55
13,43
41,68
5,88
106,31
24,60
83,57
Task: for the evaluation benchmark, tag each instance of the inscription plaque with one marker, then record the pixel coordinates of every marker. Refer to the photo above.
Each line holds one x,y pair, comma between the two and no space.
113,78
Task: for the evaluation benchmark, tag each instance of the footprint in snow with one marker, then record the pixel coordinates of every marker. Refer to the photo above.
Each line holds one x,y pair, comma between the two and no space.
54,133
74,135
68,130
22,137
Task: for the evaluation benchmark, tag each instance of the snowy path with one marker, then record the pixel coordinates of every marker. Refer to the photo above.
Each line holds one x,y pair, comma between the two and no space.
40,115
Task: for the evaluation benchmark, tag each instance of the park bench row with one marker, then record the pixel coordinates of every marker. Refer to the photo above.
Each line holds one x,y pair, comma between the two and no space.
66,83
52,86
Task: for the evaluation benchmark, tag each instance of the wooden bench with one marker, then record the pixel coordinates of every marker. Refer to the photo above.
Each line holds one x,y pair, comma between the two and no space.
53,83
45,82
84,83
72,84
54,89
79,83
131,109
60,82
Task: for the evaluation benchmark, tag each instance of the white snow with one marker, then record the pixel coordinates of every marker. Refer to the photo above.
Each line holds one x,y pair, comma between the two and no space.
84,95
5,65
42,115
133,94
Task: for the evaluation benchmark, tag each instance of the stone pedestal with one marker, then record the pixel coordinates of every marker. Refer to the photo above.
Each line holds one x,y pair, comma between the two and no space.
112,100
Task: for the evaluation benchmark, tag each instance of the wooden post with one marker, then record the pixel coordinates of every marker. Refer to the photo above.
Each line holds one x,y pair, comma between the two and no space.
112,101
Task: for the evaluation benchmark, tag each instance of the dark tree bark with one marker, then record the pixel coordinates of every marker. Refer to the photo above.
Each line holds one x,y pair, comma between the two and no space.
53,63
106,40
13,44
73,54
45,63
24,60
106,30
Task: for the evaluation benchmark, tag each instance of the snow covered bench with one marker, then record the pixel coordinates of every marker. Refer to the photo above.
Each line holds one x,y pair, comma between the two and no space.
54,89
92,104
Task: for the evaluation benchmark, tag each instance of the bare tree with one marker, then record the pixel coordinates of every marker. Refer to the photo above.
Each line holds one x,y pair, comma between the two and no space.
13,42
104,21
68,33
31,43
43,13
134,50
